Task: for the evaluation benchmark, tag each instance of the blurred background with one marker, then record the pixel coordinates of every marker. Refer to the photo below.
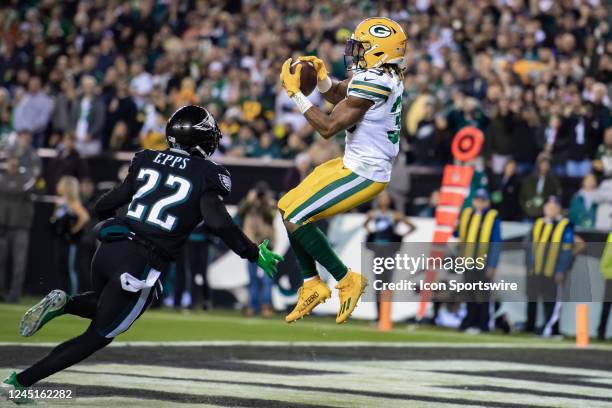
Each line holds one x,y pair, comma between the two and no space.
85,83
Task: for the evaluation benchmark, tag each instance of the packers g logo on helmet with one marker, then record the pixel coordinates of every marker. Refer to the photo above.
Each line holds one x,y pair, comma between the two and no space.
376,41
380,31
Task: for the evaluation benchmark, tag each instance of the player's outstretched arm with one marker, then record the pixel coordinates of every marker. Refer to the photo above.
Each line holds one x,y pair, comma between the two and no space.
218,220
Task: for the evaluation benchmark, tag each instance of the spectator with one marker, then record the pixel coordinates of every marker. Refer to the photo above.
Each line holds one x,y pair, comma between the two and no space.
425,140
295,145
141,84
245,144
68,162
16,215
322,150
505,195
499,140
383,219
536,187
267,148
152,133
465,112
599,117
429,210
27,156
33,111
5,115
65,106
121,113
578,163
87,119
526,138
257,212
68,220
603,198
603,156
582,209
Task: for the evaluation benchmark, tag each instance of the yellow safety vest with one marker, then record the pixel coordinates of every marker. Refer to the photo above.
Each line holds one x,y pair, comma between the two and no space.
546,255
606,259
475,231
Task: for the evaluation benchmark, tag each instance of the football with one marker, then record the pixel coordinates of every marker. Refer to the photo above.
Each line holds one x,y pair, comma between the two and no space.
308,77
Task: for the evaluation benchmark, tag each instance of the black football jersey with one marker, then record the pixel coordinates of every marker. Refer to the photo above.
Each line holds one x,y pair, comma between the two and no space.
163,190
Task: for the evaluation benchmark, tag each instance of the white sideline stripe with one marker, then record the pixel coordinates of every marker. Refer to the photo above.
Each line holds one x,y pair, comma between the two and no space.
561,345
328,197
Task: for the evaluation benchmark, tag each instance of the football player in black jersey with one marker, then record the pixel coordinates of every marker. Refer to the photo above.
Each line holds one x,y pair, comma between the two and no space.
169,192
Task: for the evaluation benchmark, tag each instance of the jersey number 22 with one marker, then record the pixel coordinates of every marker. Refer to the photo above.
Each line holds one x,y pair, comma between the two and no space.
155,215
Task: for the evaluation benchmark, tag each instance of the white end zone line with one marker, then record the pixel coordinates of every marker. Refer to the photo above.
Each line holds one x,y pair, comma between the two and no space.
561,345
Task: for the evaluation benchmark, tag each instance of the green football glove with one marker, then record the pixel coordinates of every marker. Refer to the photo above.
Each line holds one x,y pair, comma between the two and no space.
267,259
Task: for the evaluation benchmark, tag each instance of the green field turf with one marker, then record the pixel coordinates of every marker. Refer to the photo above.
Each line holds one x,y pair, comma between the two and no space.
169,325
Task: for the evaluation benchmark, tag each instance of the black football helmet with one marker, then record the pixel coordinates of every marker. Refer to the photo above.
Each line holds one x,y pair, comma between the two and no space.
194,130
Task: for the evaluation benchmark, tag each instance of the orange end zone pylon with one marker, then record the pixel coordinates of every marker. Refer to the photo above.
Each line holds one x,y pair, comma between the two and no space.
385,323
582,325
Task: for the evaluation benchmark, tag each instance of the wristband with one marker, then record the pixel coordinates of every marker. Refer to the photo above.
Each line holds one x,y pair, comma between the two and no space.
324,85
301,101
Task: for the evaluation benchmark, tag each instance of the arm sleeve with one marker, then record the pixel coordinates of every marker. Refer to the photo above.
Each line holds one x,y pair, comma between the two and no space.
116,198
220,223
119,196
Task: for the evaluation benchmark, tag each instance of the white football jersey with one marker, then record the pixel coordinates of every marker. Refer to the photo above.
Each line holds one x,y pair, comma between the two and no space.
373,143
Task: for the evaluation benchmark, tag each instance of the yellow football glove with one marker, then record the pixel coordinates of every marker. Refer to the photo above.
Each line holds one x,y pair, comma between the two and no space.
289,81
318,65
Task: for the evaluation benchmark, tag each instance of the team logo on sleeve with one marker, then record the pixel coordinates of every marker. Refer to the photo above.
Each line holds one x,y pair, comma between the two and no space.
226,182
380,31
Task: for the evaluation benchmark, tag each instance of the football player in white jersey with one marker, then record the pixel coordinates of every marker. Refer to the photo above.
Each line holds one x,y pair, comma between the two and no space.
368,107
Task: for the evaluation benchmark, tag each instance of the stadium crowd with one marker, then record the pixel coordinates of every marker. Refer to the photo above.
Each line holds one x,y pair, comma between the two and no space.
533,74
